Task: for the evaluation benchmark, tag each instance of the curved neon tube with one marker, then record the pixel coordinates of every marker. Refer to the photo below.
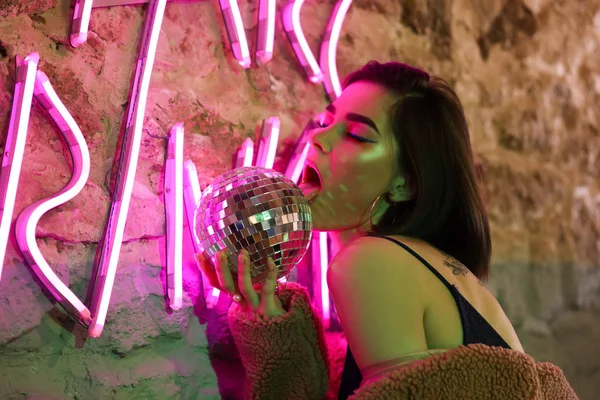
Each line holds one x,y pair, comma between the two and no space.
290,16
30,216
329,47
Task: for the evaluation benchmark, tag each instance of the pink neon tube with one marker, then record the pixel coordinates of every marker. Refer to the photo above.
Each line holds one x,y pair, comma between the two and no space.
30,216
268,143
174,217
245,154
81,22
112,3
235,31
109,256
266,30
296,164
191,198
329,47
319,262
323,263
14,148
290,16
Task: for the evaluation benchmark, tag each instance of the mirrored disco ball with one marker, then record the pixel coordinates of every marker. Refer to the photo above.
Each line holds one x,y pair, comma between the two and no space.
257,209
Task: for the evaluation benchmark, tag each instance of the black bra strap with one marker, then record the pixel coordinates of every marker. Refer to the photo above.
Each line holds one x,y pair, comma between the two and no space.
418,257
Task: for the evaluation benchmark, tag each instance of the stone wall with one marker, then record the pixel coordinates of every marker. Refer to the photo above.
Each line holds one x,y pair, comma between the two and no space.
527,71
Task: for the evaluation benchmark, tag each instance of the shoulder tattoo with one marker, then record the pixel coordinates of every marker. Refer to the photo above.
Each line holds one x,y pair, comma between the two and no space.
455,265
458,268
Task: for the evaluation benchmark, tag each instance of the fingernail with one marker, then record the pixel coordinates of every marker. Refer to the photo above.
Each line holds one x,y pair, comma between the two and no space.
270,264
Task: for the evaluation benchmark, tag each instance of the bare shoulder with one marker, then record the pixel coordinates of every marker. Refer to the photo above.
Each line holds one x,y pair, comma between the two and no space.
471,287
369,288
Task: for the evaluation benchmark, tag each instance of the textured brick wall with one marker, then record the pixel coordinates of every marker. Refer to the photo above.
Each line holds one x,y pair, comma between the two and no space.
527,71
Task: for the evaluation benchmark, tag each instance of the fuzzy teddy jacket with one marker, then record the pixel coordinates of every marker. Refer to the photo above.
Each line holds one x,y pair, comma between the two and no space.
287,358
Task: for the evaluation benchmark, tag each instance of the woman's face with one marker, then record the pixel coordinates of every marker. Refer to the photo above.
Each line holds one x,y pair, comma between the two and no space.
355,154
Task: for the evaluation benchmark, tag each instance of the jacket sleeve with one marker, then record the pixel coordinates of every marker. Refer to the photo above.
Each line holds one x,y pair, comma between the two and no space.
470,372
285,357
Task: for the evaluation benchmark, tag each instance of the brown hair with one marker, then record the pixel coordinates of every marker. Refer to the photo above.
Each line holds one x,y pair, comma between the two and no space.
435,155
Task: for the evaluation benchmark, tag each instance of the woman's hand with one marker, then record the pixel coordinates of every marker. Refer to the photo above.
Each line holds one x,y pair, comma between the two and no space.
264,301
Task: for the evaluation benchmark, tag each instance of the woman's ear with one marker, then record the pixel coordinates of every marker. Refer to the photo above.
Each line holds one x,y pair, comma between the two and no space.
400,190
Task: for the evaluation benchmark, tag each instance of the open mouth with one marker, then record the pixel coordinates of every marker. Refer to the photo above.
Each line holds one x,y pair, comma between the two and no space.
311,183
311,176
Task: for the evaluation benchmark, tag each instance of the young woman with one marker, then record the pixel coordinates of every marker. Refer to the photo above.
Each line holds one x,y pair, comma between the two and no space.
390,177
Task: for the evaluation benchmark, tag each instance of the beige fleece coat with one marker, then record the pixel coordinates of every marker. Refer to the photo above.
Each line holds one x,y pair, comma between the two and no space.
287,358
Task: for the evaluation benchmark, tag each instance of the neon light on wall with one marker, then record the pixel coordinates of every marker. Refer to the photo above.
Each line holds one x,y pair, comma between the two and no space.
105,270
296,161
290,16
319,261
30,216
174,215
191,198
329,45
81,22
267,146
245,154
333,88
323,263
14,148
266,30
235,31
109,256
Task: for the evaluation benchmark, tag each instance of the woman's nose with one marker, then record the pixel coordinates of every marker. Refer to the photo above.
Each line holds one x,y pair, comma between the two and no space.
319,139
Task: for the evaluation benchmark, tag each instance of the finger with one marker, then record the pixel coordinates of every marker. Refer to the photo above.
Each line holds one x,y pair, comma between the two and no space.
224,274
207,270
245,281
267,299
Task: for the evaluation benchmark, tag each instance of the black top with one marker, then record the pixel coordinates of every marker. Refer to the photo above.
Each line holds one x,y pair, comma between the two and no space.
475,330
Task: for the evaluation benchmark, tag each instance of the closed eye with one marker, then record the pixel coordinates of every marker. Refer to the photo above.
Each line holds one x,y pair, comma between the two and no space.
359,138
322,124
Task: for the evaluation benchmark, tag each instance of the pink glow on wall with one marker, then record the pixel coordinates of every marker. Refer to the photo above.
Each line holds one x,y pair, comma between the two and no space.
328,49
266,30
267,146
174,217
14,148
245,154
290,16
191,198
81,22
235,31
109,256
28,219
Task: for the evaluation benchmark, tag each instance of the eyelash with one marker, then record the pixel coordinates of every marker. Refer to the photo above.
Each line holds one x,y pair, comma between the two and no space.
350,135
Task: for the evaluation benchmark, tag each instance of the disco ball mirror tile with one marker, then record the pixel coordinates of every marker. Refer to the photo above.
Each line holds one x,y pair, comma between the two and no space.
257,209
